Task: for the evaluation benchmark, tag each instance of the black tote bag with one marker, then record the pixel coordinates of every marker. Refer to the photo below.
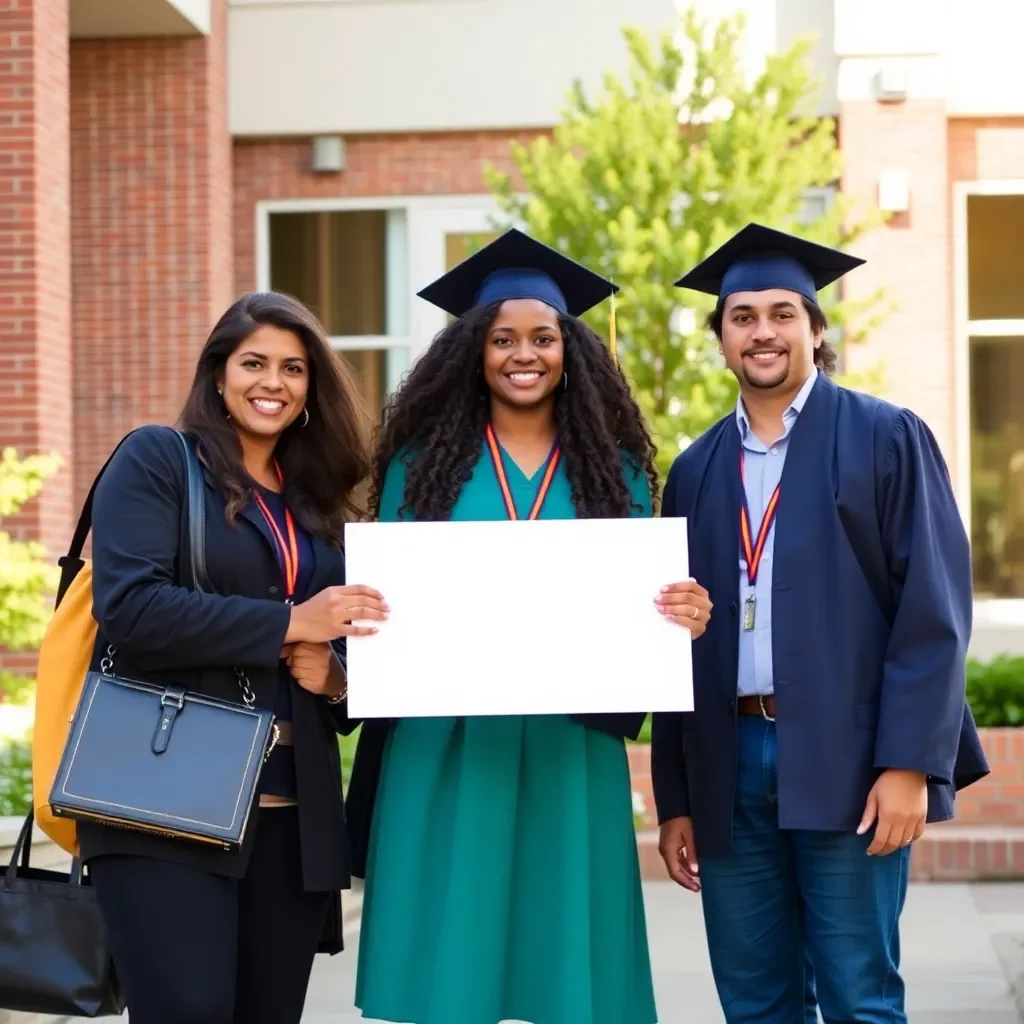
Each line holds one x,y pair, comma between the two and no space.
54,952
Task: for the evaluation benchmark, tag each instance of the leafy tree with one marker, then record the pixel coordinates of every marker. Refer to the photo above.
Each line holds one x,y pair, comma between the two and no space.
645,180
26,580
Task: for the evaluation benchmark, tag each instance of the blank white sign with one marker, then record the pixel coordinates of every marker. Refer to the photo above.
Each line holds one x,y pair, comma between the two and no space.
514,618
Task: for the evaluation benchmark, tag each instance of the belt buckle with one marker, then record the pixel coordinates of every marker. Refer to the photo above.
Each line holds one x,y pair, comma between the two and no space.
764,709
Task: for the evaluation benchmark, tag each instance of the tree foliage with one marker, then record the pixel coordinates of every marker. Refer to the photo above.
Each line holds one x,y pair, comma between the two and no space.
26,580
644,180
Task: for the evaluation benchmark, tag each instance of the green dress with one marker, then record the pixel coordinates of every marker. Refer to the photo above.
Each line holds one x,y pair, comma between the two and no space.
502,880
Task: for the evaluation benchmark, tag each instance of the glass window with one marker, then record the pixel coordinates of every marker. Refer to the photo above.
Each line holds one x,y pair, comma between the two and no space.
336,263
349,267
995,269
997,465
461,245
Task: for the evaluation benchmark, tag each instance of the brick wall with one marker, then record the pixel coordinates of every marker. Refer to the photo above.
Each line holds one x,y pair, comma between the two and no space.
986,148
34,250
910,257
377,165
151,228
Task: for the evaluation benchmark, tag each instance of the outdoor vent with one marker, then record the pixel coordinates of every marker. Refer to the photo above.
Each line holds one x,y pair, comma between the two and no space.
328,154
891,83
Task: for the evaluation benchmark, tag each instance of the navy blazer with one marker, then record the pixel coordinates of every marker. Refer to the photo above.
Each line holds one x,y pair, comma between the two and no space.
871,617
164,631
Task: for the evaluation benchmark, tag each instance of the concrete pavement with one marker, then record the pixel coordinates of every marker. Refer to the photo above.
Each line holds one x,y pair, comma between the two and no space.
962,946
963,956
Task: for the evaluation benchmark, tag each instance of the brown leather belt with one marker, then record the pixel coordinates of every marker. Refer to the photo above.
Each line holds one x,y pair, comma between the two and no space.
763,707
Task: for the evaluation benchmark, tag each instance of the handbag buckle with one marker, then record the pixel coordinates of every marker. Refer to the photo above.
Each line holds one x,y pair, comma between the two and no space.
174,699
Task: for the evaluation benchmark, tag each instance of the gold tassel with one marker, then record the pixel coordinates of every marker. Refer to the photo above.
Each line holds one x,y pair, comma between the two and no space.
611,333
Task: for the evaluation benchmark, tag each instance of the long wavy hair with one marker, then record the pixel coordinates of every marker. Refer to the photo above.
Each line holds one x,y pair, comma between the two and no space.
438,417
323,461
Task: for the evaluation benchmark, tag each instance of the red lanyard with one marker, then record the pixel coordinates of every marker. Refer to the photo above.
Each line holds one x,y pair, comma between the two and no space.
506,492
754,549
289,551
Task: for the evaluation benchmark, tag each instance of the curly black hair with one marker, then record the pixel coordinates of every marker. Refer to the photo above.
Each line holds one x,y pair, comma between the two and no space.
439,415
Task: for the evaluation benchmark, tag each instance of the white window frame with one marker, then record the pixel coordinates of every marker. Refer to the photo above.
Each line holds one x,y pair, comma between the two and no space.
412,323
998,612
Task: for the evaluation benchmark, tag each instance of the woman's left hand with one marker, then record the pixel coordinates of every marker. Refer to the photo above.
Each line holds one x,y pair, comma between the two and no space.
687,604
314,668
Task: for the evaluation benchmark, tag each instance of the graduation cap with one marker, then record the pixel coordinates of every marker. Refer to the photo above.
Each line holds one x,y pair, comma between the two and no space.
758,258
515,266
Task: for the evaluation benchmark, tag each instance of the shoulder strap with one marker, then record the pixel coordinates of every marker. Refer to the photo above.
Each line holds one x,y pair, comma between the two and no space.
196,504
72,562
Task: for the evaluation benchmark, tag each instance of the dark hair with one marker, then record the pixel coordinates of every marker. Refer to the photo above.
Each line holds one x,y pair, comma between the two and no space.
324,461
825,356
439,414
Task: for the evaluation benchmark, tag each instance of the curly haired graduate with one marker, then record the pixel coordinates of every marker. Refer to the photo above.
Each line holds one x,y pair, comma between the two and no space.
499,853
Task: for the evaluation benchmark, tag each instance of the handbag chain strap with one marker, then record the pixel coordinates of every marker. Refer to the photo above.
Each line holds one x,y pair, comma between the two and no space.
248,697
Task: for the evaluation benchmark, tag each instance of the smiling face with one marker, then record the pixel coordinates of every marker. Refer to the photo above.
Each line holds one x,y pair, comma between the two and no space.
767,339
524,353
265,382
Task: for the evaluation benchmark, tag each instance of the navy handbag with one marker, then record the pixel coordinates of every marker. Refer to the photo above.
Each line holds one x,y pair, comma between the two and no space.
161,759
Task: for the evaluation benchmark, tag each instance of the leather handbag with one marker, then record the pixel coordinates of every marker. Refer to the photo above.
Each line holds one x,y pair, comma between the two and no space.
161,759
54,952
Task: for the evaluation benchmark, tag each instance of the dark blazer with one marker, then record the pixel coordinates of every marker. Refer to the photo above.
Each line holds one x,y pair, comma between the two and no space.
871,618
163,631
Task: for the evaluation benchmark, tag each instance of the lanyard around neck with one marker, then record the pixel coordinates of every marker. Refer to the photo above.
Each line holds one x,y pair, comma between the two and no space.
287,551
548,474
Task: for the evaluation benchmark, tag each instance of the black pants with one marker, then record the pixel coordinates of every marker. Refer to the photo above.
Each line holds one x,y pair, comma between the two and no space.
193,948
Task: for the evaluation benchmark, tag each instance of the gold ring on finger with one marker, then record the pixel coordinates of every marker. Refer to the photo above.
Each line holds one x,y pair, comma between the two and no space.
694,615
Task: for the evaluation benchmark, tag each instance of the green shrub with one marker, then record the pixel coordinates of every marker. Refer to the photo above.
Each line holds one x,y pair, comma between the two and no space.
15,778
995,691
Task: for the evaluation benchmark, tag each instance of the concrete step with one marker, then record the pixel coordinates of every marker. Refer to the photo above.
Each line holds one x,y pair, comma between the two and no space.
945,853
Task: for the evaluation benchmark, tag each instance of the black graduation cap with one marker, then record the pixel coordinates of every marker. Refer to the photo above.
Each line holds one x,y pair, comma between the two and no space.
758,258
515,266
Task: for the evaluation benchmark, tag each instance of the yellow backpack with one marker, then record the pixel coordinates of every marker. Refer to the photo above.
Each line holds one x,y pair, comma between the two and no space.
64,659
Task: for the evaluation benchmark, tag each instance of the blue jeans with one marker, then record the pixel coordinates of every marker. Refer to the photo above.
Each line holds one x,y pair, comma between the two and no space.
789,904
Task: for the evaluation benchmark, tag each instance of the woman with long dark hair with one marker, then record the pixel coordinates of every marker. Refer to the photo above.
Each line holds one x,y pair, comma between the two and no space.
501,871
199,935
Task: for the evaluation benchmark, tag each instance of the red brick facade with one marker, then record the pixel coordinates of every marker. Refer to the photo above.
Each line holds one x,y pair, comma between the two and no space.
35,285
151,228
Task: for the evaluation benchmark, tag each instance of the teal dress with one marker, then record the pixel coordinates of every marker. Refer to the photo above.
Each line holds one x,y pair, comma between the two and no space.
502,879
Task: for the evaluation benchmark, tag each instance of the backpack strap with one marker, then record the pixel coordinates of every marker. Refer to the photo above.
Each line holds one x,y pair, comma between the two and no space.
71,563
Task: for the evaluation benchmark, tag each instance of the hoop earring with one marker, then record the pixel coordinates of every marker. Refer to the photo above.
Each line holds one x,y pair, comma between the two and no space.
565,382
305,416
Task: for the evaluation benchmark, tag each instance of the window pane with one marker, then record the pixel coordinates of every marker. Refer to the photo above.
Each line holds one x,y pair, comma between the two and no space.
995,270
370,367
336,263
458,247
997,466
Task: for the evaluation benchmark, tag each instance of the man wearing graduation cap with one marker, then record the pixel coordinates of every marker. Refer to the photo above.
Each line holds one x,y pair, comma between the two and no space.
830,720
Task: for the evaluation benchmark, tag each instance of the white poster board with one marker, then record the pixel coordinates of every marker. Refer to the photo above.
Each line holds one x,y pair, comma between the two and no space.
510,618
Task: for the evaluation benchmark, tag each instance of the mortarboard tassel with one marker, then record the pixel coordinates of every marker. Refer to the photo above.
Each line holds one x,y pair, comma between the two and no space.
611,333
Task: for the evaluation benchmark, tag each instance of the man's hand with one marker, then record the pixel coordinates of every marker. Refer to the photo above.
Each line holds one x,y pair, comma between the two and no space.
898,801
679,853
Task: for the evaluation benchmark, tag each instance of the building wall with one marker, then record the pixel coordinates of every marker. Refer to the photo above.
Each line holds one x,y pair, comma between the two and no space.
377,165
35,284
151,231
420,65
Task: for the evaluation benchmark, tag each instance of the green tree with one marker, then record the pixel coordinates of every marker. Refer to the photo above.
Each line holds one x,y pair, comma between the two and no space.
643,181
26,580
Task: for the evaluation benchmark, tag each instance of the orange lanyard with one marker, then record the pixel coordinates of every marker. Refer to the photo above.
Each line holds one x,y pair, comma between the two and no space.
754,549
289,552
506,492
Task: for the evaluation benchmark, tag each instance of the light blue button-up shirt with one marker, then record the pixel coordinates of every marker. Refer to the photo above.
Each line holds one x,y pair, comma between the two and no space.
762,472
